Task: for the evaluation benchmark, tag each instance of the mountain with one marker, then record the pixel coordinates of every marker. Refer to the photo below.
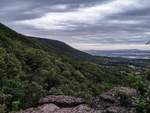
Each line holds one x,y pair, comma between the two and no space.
132,54
31,68
62,48
56,46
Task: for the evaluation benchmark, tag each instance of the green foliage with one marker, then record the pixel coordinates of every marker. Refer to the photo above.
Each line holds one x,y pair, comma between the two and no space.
148,73
15,105
2,108
31,68
143,86
125,100
143,105
33,91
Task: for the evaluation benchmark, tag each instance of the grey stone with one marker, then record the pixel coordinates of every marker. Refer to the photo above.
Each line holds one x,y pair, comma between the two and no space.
62,101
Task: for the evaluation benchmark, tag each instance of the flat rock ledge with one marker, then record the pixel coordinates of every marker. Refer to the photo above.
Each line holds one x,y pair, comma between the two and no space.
108,102
62,101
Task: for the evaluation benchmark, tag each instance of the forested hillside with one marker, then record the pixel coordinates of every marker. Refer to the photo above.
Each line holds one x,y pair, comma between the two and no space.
31,68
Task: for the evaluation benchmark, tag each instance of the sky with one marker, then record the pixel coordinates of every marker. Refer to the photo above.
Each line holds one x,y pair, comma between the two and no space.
83,24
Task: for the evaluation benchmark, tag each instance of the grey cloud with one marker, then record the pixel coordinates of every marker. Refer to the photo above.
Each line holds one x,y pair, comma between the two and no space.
17,9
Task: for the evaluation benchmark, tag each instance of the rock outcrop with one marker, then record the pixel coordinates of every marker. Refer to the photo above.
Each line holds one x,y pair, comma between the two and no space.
116,100
46,108
51,108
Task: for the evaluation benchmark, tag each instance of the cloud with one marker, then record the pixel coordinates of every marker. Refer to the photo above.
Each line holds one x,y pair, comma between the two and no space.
59,7
86,15
81,22
95,46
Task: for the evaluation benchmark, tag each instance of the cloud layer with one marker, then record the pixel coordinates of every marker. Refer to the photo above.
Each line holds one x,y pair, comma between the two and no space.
104,24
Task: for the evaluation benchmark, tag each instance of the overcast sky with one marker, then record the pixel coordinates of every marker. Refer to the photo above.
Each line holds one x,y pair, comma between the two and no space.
84,24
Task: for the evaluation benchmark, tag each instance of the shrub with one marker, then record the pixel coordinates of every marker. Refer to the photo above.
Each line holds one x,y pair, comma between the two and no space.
2,108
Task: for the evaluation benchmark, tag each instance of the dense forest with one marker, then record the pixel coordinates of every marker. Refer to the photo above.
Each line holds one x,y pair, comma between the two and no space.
31,68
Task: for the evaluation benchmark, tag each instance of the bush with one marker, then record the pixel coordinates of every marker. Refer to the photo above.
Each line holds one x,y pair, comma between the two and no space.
2,108
143,86
15,105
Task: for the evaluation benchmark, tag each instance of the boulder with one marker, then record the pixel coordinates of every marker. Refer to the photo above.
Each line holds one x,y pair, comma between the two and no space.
104,101
125,90
77,109
117,100
46,108
115,109
82,109
62,101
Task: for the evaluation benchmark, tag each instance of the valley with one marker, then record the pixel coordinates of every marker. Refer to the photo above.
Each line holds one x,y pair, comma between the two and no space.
131,54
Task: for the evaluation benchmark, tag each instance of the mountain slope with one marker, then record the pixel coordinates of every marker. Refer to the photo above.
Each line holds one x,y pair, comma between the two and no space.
53,45
63,49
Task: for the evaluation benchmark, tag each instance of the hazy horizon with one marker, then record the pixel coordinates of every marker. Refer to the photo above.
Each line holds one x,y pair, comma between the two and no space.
85,25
